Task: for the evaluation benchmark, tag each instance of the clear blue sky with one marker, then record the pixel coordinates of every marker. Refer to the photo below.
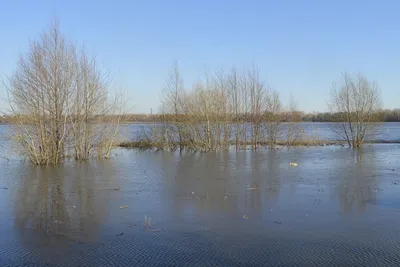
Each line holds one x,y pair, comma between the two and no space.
301,47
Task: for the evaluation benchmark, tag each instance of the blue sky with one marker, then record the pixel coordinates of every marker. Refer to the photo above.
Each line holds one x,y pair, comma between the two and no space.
301,47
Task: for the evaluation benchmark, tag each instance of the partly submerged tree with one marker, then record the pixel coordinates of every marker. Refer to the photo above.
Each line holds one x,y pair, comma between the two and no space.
57,94
356,103
172,104
294,130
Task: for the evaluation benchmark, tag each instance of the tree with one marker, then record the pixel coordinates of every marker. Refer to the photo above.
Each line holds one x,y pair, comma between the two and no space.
356,103
294,131
57,95
172,103
258,105
273,117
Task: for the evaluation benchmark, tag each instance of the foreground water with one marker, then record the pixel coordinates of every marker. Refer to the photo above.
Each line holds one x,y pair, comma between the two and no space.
337,207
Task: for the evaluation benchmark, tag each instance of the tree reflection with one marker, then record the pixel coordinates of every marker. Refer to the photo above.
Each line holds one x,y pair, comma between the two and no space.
226,183
60,201
358,180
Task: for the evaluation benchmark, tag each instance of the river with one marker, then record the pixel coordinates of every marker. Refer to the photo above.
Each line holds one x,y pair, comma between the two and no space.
337,207
388,131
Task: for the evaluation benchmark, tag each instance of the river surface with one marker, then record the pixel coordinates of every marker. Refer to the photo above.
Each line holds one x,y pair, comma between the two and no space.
389,131
337,207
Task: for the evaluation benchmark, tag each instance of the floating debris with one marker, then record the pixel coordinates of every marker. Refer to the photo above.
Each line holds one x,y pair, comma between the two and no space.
277,222
225,197
123,207
252,188
119,234
147,221
154,230
293,164
4,188
245,217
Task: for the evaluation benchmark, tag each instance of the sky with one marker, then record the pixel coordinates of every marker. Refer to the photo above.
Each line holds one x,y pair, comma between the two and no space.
300,47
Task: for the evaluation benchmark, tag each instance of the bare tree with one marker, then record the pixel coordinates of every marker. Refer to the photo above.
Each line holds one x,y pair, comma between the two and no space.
258,104
172,104
356,102
108,125
218,112
207,112
89,100
39,94
294,131
234,89
223,109
273,117
56,93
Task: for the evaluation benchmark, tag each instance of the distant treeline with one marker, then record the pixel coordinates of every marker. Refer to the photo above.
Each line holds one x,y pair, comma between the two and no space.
384,116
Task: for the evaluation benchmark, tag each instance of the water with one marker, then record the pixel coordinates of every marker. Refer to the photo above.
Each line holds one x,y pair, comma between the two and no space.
389,131
338,207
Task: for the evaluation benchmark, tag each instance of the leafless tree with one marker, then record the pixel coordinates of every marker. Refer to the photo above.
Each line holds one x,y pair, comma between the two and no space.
172,104
294,132
108,125
223,109
356,102
237,83
56,94
258,105
89,100
39,93
219,111
234,89
273,117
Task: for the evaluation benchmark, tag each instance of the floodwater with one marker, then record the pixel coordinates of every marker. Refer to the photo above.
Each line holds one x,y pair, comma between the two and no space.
337,207
389,131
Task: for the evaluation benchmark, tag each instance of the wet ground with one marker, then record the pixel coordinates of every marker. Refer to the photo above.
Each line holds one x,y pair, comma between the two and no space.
337,207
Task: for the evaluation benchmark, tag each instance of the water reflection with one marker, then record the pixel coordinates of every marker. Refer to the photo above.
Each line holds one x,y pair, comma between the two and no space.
358,185
225,184
234,183
67,201
78,201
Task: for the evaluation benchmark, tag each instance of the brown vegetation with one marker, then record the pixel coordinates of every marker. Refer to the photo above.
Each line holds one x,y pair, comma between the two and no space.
55,95
357,101
221,110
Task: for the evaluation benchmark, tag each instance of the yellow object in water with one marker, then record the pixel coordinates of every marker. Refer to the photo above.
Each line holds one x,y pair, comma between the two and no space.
293,164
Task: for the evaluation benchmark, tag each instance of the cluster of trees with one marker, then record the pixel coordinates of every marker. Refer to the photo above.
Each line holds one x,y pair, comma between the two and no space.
237,108
60,106
55,94
222,109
